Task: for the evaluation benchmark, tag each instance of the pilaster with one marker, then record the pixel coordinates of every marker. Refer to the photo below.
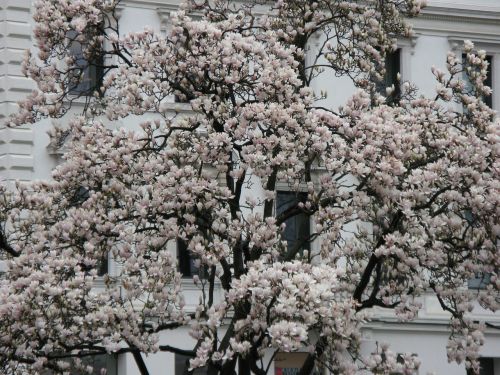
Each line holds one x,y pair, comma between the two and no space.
16,144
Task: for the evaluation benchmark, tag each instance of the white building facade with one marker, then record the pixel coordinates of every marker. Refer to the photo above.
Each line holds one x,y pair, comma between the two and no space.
26,153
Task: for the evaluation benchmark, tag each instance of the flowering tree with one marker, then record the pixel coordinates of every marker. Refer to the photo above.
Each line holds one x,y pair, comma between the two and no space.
417,180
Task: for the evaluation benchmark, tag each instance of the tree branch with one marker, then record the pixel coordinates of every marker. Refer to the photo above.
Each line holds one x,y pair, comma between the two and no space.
171,349
4,245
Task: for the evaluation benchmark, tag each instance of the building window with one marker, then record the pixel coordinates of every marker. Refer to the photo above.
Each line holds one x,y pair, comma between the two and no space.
103,361
188,266
488,366
86,75
78,198
182,366
103,266
98,362
180,99
487,99
297,230
481,281
392,70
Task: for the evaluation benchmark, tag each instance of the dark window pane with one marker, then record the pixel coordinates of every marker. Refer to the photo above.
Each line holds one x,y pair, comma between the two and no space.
479,282
297,228
487,366
79,197
179,99
488,100
103,266
103,361
392,69
98,362
87,75
187,265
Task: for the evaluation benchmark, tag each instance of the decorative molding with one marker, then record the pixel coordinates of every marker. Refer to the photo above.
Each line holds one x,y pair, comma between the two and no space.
168,5
119,10
58,140
490,45
462,13
467,20
420,325
16,144
164,14
438,10
16,153
408,44
173,5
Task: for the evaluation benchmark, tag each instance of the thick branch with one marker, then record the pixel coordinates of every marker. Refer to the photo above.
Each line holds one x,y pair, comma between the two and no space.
308,366
141,365
4,245
171,349
373,261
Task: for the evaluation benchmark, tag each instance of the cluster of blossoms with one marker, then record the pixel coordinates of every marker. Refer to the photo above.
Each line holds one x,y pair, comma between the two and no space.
405,198
60,27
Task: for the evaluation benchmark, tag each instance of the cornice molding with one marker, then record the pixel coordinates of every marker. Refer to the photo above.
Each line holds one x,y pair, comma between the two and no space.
165,5
420,325
119,10
458,12
170,5
459,21
489,44
482,15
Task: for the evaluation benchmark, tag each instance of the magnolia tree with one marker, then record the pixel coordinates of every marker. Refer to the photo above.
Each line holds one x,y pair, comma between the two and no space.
404,198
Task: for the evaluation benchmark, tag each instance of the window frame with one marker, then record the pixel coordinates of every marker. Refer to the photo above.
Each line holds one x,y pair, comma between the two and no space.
183,257
110,359
391,76
93,68
491,48
309,243
487,99
489,369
